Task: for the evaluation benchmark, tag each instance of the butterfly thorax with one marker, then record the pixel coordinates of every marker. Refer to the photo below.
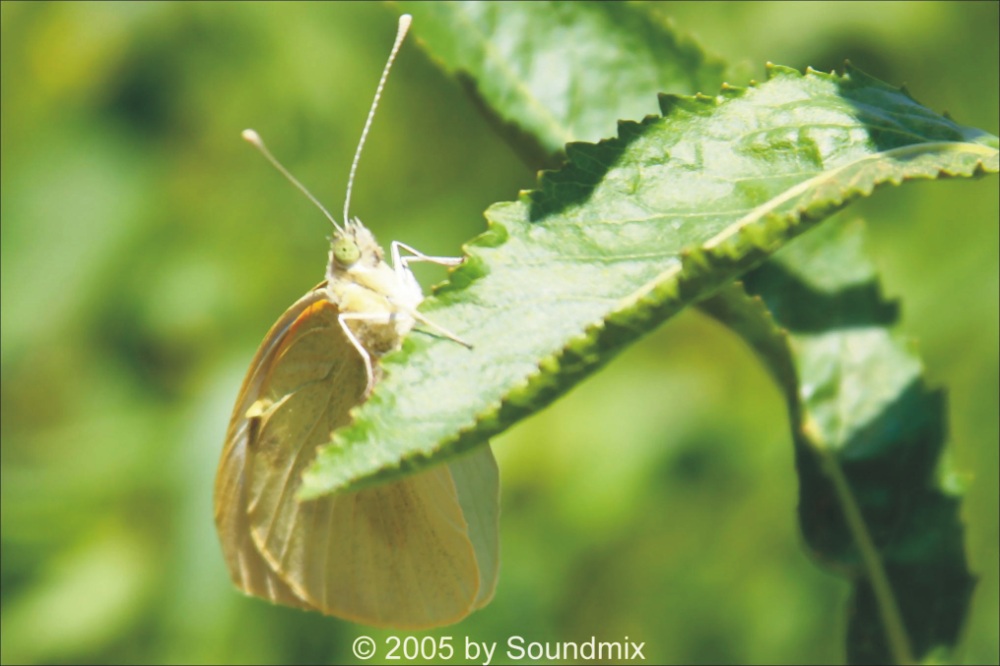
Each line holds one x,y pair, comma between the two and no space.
360,281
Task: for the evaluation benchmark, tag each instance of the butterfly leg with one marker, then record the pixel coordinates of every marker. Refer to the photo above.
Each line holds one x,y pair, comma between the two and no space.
366,357
440,329
384,318
400,265
398,260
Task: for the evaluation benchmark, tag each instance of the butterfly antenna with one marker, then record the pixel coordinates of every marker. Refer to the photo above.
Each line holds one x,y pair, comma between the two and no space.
404,25
251,137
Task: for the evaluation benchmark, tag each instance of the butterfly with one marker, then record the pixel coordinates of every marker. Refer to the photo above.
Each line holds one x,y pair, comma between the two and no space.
415,553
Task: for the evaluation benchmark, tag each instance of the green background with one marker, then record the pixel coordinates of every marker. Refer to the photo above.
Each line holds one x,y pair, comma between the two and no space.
146,250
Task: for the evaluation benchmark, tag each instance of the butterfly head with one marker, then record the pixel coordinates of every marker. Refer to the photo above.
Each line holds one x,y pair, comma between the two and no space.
353,247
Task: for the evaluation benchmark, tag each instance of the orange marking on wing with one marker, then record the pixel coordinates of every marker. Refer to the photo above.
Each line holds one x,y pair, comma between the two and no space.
314,310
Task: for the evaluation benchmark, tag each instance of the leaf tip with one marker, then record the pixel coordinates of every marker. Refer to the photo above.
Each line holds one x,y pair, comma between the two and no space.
667,101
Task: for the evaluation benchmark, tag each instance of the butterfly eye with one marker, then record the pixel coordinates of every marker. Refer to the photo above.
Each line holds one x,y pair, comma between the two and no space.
346,252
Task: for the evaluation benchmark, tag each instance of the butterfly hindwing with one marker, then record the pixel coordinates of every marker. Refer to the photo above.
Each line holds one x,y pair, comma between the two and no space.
477,482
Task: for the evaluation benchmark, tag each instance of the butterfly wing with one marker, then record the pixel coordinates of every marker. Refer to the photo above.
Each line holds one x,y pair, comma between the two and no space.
477,482
249,571
396,555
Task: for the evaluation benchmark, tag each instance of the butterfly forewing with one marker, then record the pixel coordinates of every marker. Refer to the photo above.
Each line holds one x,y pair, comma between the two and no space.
248,569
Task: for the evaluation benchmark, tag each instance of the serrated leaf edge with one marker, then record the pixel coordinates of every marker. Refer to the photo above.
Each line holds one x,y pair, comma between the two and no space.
700,264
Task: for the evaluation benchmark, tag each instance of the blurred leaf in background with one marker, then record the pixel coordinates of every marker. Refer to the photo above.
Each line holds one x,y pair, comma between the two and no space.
146,250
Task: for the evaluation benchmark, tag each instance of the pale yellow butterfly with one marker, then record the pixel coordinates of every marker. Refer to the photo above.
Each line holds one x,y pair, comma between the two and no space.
412,554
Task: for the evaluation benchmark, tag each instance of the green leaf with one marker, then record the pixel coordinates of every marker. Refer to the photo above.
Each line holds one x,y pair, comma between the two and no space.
876,503
546,67
837,262
628,233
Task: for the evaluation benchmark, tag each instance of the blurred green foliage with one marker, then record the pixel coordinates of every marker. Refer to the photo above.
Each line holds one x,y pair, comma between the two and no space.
146,250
